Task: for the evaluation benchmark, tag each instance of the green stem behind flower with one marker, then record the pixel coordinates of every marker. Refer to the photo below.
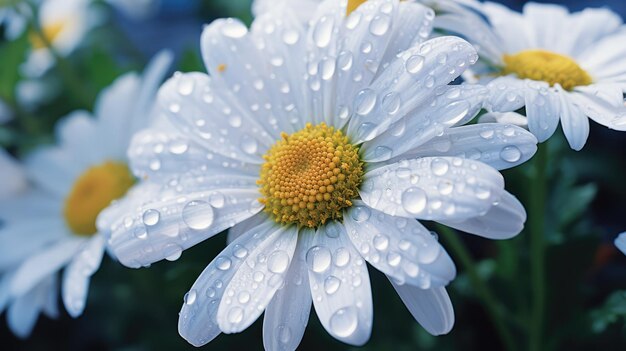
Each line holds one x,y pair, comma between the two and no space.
494,309
536,218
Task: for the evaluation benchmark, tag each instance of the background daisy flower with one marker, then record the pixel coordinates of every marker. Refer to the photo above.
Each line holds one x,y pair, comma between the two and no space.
51,226
559,66
319,146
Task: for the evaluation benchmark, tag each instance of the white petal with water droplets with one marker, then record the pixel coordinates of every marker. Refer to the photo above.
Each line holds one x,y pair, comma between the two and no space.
431,308
601,104
287,315
399,247
340,285
156,154
165,223
246,297
574,122
405,34
198,109
243,227
242,75
451,106
503,221
78,273
433,188
365,35
500,146
409,81
279,40
197,321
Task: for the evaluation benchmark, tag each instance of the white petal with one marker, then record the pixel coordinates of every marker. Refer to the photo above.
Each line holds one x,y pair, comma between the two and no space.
44,263
78,273
355,58
503,221
198,109
511,27
240,74
405,33
340,285
280,38
431,308
25,237
601,108
51,305
197,321
513,118
76,133
165,155
573,121
247,297
399,247
433,188
163,226
453,105
620,242
410,81
22,314
287,315
500,146
603,60
245,226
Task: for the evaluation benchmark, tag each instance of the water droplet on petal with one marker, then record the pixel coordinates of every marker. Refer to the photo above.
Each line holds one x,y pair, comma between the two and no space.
360,213
511,154
344,322
278,262
190,297
198,215
234,29
414,200
380,25
223,263
331,284
414,64
365,101
318,258
439,166
151,217
235,315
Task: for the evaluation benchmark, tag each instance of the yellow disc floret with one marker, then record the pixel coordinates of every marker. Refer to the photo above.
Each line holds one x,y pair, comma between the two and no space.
353,5
48,35
92,192
310,176
546,66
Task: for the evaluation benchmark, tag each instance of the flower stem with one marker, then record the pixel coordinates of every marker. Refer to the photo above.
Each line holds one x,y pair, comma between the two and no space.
537,247
494,309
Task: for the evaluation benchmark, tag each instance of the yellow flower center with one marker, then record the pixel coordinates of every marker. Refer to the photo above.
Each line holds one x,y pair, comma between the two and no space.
50,32
92,192
353,5
310,176
548,67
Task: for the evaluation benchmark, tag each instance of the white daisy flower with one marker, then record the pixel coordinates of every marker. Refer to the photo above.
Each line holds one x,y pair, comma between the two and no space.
52,225
558,65
64,23
302,9
319,147
620,242
14,18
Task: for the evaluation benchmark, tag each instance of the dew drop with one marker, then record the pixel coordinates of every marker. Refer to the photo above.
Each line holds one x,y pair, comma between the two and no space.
380,25
223,263
151,217
344,61
331,284
243,297
249,144
511,154
234,29
322,34
414,200
344,322
235,315
414,64
318,258
239,251
190,297
360,213
391,103
365,102
198,215
217,200
381,242
278,262
342,257
439,166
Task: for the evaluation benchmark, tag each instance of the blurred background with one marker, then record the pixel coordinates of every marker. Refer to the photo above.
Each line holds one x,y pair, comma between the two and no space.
138,309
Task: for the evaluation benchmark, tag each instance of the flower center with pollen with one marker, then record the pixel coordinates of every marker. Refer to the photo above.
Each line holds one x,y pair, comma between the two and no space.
92,192
548,67
50,32
310,176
